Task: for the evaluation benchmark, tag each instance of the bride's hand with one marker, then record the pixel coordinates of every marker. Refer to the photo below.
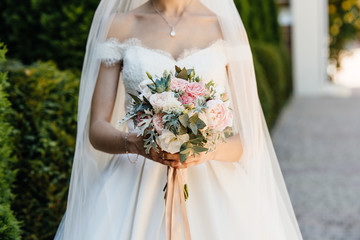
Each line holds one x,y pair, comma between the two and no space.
174,159
137,146
198,159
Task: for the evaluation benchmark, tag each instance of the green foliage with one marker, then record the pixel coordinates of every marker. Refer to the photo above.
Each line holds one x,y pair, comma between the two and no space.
44,101
270,59
344,21
47,30
9,226
260,19
265,93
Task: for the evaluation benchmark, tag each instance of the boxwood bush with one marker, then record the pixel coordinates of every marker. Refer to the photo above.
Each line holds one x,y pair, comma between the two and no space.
44,102
9,226
268,55
265,93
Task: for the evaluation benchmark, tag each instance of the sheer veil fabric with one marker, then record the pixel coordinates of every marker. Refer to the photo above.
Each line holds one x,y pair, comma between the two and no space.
268,210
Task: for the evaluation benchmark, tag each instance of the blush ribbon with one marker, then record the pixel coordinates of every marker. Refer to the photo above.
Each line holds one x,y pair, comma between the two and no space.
175,196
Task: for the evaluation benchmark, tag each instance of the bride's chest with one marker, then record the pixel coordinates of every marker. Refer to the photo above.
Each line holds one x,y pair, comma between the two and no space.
209,63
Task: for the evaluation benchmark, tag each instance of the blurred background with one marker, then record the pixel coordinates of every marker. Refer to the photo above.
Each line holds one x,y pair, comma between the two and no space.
307,62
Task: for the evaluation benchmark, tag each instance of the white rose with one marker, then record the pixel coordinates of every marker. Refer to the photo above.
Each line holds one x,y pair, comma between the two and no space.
218,91
145,90
171,143
166,102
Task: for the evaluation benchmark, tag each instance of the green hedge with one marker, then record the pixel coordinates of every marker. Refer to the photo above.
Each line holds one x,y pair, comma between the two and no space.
270,59
260,19
265,92
47,30
44,101
9,226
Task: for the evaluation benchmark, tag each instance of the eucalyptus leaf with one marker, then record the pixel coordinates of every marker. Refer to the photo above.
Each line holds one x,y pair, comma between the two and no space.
193,128
127,118
183,157
177,69
197,140
198,149
183,74
184,120
194,118
136,98
200,124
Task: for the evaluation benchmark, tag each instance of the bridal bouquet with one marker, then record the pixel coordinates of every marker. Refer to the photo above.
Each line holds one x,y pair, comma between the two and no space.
179,113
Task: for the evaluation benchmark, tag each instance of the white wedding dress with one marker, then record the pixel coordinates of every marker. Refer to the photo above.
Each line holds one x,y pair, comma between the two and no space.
218,190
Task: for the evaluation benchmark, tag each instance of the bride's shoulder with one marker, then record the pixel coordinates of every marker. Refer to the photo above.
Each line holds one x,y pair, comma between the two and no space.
123,24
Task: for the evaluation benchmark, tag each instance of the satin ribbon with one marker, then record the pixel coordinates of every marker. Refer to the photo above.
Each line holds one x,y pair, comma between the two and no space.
172,200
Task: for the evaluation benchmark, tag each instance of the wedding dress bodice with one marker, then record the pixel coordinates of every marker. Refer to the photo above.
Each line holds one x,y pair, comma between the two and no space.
209,62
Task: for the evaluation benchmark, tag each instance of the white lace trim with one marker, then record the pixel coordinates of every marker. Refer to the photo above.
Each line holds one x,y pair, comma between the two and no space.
112,50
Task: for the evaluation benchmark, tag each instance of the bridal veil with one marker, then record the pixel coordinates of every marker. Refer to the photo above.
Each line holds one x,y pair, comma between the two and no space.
270,211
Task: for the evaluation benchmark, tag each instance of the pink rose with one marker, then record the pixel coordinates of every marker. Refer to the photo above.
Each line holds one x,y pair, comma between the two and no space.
196,89
178,84
187,99
158,122
218,115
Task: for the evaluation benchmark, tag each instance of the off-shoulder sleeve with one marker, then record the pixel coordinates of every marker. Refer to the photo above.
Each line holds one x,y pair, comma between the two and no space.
111,51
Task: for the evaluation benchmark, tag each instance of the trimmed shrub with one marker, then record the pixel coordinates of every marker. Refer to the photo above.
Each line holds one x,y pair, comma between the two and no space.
44,100
265,94
286,58
47,30
9,227
270,58
260,19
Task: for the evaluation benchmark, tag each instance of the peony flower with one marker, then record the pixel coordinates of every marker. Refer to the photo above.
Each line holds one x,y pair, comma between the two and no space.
145,90
170,142
158,122
218,115
195,89
187,99
177,84
166,102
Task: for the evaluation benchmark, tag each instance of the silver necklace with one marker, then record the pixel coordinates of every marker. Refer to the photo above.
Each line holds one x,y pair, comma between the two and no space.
172,27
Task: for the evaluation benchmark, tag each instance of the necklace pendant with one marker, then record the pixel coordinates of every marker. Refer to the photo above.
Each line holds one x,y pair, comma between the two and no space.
172,33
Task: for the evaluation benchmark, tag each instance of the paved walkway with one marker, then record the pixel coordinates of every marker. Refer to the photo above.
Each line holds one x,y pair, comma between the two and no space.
318,145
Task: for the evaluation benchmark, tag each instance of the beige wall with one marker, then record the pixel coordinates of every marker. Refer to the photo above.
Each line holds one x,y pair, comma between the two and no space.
310,45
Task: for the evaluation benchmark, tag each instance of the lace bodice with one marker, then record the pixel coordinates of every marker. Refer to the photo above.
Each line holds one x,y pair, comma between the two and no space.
209,63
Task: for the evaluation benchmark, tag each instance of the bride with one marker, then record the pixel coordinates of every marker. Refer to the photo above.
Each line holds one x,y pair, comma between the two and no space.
236,191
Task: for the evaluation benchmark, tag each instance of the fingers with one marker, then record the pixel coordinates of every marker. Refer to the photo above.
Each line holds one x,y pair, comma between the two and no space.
168,159
171,157
173,160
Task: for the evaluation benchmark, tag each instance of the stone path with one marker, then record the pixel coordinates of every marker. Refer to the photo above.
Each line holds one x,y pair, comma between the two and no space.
317,141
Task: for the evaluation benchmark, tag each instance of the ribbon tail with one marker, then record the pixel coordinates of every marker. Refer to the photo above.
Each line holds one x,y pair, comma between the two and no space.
169,202
183,205
175,180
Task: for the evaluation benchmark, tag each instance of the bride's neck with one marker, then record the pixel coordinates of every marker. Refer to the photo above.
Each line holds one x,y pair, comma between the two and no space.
171,7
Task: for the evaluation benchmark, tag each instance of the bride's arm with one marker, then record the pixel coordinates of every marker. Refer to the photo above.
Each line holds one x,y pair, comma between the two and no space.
103,136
